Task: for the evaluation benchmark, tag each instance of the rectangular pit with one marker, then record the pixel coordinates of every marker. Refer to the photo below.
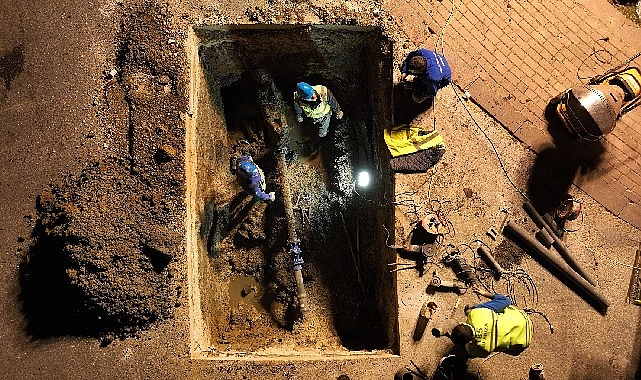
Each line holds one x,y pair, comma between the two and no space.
241,281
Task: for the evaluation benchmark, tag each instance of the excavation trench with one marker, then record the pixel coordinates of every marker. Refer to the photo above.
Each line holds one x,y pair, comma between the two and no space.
244,297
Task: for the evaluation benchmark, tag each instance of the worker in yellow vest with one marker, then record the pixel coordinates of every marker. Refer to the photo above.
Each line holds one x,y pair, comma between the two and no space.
318,104
493,326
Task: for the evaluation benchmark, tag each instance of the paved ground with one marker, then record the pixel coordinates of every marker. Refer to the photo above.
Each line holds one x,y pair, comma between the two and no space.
514,56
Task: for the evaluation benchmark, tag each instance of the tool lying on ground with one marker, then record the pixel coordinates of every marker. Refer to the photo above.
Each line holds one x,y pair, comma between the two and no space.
420,254
402,266
424,317
492,232
590,111
634,290
427,250
463,271
438,283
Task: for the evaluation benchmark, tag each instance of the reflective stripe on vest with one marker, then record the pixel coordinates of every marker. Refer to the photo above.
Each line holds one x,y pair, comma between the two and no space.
322,109
508,331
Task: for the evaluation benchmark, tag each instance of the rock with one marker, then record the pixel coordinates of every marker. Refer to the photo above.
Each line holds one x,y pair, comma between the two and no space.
279,312
165,154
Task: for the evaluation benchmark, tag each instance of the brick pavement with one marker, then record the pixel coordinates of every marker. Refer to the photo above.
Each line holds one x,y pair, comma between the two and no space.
513,56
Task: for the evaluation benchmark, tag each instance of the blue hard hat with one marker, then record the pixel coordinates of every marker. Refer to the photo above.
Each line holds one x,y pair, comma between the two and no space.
247,168
305,91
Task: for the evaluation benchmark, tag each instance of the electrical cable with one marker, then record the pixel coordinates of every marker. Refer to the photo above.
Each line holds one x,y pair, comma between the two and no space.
447,23
498,156
594,53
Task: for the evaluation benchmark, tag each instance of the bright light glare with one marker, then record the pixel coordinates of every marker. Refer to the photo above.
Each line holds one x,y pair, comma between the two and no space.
363,179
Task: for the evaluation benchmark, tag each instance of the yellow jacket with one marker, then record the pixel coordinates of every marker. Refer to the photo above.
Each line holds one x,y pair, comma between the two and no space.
409,138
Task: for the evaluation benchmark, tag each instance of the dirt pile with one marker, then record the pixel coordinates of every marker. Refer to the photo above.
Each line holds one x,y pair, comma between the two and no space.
106,254
96,267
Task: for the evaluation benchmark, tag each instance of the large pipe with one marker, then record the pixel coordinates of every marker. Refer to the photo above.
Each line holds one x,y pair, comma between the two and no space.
552,224
293,239
273,105
489,260
558,244
559,268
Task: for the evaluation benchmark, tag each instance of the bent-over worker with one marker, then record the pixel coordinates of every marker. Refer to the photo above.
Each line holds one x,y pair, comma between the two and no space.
252,178
429,72
493,326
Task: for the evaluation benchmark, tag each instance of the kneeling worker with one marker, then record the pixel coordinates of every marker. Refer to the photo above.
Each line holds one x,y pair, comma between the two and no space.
318,104
493,326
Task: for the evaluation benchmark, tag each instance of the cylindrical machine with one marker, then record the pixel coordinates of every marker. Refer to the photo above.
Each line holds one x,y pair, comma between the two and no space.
590,112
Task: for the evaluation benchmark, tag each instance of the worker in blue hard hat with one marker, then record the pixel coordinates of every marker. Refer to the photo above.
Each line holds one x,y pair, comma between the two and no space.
252,179
426,72
317,103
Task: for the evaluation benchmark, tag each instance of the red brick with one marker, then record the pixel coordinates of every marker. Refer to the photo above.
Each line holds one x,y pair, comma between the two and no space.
500,68
615,173
474,8
627,182
527,71
607,178
624,169
530,62
500,57
504,49
471,19
493,38
519,55
498,31
634,177
633,196
634,166
545,55
632,214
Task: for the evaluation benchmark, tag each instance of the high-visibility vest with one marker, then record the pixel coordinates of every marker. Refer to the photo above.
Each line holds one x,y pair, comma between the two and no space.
509,331
322,109
409,138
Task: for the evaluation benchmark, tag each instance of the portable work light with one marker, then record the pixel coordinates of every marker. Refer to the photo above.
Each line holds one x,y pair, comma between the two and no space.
363,179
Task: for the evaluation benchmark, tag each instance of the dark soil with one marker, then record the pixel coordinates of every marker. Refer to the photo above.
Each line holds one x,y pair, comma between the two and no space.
105,242
100,268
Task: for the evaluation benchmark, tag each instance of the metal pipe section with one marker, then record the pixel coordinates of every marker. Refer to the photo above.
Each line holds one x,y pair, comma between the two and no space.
552,224
271,99
293,245
558,244
561,270
544,237
489,259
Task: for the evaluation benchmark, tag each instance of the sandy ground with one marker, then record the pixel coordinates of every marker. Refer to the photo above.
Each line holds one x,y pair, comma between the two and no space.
56,122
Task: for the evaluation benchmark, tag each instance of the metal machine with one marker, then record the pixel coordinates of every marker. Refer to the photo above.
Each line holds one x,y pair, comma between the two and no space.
591,111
